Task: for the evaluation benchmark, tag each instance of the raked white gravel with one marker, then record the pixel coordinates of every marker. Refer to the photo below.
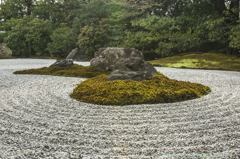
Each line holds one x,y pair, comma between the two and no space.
38,119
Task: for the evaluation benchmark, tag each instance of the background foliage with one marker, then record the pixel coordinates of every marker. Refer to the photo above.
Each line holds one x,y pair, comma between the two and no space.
158,28
63,41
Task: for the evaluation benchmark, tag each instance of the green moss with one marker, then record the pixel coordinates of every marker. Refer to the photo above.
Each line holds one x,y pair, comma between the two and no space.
184,63
199,60
158,89
73,71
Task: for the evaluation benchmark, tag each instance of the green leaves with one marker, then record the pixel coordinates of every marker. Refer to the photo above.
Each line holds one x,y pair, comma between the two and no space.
235,37
84,12
159,35
30,33
93,37
63,41
38,32
157,29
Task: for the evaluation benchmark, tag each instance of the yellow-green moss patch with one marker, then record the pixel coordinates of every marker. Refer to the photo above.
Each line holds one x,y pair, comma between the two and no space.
158,89
72,71
200,60
184,63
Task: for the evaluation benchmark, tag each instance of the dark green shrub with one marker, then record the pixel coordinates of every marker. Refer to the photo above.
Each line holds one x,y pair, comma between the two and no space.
63,41
93,36
29,36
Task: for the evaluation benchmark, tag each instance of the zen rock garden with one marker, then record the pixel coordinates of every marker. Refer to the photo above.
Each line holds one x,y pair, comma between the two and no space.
121,76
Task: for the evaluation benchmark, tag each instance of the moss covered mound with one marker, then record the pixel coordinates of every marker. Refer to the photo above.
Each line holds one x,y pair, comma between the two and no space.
157,89
200,60
73,71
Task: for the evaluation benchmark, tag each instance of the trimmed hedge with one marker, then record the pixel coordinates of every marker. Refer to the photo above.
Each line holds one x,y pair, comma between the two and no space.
157,89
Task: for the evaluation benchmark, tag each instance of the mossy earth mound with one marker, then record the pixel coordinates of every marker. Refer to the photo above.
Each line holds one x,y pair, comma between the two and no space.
157,89
72,71
96,90
200,60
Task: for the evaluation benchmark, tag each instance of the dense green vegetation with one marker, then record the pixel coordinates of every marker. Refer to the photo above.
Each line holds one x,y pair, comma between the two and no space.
72,71
157,89
158,28
200,60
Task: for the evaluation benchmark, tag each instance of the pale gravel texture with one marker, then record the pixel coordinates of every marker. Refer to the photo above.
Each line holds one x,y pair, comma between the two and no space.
38,119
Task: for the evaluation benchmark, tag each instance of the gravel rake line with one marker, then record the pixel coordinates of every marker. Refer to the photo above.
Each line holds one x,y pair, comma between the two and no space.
38,119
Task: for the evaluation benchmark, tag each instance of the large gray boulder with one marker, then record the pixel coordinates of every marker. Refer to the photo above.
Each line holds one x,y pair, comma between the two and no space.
5,52
62,63
125,64
133,68
106,58
126,75
77,55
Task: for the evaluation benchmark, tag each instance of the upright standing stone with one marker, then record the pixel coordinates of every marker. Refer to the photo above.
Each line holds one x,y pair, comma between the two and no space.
5,52
72,54
77,55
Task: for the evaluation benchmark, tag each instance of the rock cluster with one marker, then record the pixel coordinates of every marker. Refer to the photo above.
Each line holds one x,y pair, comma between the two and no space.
125,63
106,58
5,52
40,120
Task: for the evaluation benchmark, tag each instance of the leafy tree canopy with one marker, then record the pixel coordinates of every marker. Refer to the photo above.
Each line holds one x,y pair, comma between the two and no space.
157,27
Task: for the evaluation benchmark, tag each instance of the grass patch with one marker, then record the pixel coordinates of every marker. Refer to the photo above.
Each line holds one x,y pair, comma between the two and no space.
199,60
72,71
157,89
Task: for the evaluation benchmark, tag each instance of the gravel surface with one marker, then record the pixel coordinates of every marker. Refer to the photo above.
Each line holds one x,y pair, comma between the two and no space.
38,119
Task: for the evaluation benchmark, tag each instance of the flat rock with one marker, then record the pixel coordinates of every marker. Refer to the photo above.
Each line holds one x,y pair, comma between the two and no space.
62,63
126,75
133,68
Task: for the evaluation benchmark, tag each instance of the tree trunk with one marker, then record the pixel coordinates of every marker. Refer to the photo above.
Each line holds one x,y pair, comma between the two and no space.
176,11
235,5
2,10
219,6
228,50
29,49
67,10
21,9
29,6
